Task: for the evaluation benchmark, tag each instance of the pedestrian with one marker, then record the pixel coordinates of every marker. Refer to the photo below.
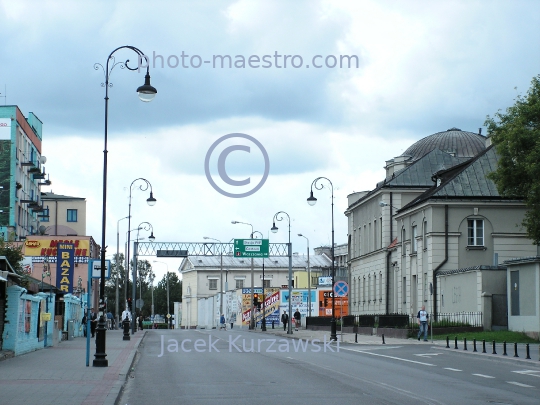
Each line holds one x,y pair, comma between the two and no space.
297,318
222,324
140,322
126,314
84,321
423,318
93,322
109,320
285,320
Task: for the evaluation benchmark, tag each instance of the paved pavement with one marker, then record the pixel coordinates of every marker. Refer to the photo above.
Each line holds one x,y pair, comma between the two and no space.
58,375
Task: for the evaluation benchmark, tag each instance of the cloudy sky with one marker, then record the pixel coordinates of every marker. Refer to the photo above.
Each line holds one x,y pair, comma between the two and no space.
420,67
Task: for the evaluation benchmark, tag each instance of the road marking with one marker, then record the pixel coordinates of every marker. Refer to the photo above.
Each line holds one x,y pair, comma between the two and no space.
520,384
452,369
528,372
389,357
428,354
483,375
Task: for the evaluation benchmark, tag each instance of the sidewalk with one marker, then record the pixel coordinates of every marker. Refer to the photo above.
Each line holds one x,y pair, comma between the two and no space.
347,337
58,375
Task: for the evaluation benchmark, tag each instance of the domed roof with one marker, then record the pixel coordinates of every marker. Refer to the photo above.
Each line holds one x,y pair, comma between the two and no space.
454,141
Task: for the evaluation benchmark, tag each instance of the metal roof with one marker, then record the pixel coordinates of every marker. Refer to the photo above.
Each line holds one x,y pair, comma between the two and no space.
454,140
298,261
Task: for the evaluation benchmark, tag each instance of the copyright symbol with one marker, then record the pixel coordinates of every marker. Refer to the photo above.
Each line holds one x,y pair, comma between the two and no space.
223,172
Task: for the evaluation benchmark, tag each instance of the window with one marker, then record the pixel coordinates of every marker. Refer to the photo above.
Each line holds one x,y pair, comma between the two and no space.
44,217
212,284
424,233
413,239
266,283
380,233
404,289
380,287
374,287
403,249
71,215
239,284
475,234
314,280
375,238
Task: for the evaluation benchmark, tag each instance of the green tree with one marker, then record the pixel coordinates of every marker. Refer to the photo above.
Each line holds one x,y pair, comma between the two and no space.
516,136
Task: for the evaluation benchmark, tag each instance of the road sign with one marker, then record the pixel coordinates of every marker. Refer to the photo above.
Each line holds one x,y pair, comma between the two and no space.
341,289
139,303
95,265
251,247
172,253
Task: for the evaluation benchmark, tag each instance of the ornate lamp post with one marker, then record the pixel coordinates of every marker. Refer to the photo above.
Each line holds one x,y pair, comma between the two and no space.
263,321
146,94
279,217
117,304
151,201
252,319
147,226
308,275
312,201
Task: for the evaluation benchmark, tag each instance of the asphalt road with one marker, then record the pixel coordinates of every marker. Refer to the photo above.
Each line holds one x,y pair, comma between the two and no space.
238,367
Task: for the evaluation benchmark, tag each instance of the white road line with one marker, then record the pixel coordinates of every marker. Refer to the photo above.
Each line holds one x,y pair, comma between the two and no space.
428,354
452,369
389,357
483,375
520,384
528,372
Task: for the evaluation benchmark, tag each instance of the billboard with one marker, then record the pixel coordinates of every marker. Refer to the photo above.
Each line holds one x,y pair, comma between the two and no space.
271,304
65,267
48,246
299,301
325,304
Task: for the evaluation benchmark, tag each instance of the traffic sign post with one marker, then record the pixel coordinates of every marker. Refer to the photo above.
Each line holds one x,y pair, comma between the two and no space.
341,289
251,247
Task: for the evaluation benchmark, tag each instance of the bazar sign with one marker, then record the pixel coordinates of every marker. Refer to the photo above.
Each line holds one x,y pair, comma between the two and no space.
65,269
48,247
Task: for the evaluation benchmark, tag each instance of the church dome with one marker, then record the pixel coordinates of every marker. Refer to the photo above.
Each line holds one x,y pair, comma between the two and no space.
454,141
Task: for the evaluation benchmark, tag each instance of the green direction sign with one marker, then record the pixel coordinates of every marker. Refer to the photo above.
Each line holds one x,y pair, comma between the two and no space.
251,247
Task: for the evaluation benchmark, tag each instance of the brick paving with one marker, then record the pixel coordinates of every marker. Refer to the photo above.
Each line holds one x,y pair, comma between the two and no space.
58,375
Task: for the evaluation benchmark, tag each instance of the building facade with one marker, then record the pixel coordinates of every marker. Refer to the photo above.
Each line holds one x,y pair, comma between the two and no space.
21,173
435,213
63,215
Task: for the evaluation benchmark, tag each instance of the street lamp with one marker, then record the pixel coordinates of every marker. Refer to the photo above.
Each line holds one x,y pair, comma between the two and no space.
252,319
263,321
116,306
146,93
147,226
312,201
168,313
151,201
279,217
152,286
220,275
309,275
126,268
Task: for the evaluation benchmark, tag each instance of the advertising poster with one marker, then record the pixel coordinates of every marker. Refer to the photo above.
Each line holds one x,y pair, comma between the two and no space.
65,267
299,300
271,304
325,304
49,246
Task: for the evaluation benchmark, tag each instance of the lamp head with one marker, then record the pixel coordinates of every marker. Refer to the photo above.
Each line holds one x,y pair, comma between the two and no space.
205,237
300,234
234,222
382,204
151,200
152,238
311,200
147,92
274,228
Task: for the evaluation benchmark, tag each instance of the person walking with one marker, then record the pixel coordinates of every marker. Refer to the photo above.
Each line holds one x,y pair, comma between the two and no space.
285,320
222,324
297,318
126,314
84,322
423,318
140,322
93,322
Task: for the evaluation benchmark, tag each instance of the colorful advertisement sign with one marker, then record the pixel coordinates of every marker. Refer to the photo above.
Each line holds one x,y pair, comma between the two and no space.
65,267
341,304
299,301
271,305
48,246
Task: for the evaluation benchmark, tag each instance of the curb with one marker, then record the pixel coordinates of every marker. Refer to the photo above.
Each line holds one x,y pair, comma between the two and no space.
115,394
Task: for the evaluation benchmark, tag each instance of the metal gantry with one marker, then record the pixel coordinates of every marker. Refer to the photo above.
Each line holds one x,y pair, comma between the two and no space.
201,248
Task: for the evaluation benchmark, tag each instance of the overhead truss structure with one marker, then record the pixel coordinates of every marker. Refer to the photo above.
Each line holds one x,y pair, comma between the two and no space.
200,248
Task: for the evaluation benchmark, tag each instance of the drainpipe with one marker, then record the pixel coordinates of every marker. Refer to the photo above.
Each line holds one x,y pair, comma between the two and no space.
388,263
436,270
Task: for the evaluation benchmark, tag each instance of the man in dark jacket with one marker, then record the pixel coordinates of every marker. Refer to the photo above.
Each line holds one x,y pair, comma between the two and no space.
93,322
285,320
297,317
